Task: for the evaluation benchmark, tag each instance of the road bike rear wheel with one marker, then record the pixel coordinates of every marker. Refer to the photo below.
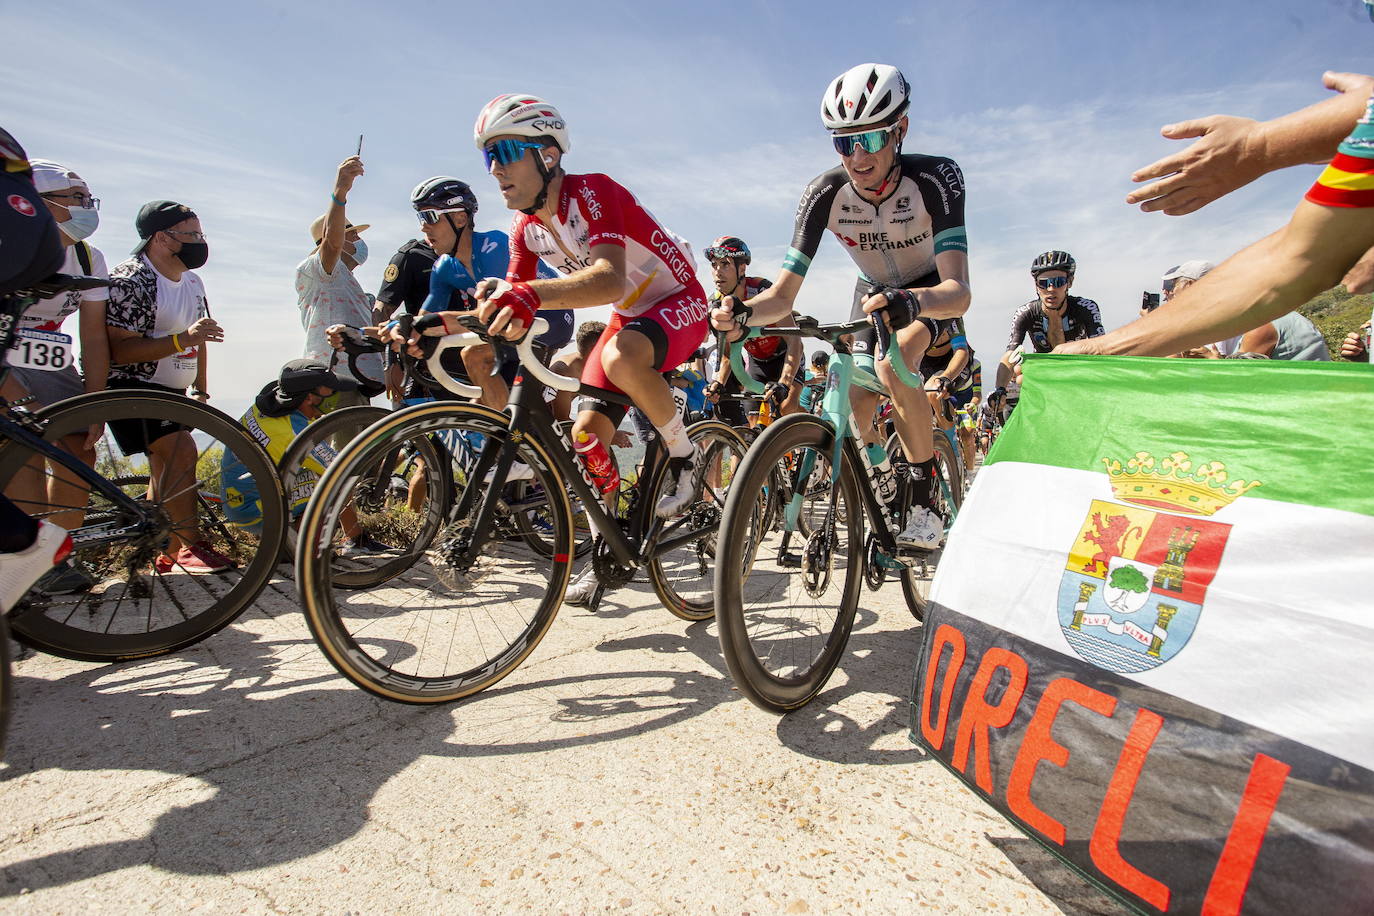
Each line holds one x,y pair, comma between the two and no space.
6,687
783,630
454,622
138,602
916,579
683,576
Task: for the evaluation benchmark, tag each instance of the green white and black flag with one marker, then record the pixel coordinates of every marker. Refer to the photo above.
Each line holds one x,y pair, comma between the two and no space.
1151,641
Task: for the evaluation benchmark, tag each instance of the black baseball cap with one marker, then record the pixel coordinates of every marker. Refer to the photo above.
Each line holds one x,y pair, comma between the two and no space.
157,215
302,375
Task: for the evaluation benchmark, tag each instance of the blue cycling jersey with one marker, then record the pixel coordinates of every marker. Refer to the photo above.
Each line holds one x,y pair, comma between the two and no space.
490,259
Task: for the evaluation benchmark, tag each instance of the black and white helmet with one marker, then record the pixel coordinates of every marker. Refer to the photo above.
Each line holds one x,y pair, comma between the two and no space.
444,193
1054,260
869,95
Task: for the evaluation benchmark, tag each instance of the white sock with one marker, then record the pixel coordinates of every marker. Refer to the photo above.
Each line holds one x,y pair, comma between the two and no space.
675,439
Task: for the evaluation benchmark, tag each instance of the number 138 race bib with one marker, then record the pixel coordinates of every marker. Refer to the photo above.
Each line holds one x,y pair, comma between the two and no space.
45,350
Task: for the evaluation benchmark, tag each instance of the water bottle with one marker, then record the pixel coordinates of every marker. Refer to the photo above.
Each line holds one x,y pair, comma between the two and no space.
765,413
880,472
598,462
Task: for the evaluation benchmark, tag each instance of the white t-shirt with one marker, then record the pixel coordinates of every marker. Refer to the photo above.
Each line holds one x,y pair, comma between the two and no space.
179,305
332,298
48,314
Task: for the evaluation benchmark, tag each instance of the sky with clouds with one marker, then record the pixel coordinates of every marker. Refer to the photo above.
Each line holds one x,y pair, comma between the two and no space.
708,112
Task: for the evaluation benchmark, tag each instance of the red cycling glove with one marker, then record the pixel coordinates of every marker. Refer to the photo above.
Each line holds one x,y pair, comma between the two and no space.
518,297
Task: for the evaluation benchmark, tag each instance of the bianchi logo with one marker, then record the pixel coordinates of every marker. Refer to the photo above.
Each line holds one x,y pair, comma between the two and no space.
1136,578
854,222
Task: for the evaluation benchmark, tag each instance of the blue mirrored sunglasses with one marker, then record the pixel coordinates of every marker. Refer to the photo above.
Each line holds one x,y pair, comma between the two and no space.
506,151
871,141
1051,282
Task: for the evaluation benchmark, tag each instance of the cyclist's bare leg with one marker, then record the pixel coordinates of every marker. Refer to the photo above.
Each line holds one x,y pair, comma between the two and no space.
792,403
910,406
479,361
628,360
26,488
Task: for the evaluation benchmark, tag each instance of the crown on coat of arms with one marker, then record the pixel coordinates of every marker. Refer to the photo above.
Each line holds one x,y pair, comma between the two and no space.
1174,483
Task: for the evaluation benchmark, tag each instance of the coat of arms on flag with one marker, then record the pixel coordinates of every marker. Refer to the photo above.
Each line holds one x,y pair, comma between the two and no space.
1136,578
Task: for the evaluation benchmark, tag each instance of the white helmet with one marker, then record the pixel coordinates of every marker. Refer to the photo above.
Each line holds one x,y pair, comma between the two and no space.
865,96
523,116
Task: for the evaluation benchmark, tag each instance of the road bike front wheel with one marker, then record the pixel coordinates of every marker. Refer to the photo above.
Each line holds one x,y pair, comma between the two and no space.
471,606
783,630
207,481
683,559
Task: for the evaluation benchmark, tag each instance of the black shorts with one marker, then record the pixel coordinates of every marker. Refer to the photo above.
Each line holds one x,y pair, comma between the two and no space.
865,341
135,435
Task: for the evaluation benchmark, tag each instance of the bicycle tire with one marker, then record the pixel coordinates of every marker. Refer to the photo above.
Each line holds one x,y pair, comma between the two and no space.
297,481
383,514
380,639
103,624
916,580
683,578
6,682
772,675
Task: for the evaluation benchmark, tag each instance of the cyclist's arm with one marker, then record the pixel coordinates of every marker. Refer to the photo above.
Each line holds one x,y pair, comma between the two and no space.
957,361
1257,284
1005,367
795,354
775,303
600,282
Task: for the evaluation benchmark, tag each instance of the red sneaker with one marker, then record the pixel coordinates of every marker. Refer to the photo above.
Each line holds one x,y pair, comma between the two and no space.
200,558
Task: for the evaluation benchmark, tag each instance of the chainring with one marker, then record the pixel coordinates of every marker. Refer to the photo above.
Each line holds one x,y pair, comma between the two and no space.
608,572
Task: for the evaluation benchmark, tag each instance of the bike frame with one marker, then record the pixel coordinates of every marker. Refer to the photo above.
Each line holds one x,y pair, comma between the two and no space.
647,535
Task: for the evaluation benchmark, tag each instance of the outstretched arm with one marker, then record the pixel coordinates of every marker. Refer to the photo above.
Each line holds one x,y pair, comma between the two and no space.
1231,152
1258,284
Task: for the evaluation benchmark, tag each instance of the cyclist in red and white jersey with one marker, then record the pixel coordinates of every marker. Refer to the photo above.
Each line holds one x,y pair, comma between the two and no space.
609,249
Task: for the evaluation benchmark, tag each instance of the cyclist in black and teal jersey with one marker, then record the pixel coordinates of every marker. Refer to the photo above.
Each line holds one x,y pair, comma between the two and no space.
901,219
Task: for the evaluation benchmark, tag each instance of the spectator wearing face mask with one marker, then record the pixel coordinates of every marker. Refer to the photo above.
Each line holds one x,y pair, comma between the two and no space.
326,290
158,321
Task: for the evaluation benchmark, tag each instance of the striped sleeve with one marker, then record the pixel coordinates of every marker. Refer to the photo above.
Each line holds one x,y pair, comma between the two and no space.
1349,180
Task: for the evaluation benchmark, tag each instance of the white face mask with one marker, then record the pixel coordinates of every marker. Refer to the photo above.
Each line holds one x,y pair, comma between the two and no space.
83,222
359,252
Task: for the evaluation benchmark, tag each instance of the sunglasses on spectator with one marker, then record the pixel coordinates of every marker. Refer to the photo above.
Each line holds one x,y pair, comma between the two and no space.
84,201
1051,282
506,151
186,235
430,217
871,141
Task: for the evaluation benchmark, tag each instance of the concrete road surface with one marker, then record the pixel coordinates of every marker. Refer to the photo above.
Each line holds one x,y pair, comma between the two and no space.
616,770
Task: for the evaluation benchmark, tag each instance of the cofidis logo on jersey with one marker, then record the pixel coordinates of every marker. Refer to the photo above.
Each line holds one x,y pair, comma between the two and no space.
1136,578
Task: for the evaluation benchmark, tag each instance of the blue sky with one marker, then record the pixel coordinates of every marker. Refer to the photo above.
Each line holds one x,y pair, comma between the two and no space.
707,111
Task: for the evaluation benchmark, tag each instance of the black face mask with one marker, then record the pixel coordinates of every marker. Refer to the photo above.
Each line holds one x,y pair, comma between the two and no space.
193,254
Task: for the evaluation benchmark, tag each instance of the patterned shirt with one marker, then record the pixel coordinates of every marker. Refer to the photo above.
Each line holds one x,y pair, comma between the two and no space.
327,299
136,303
